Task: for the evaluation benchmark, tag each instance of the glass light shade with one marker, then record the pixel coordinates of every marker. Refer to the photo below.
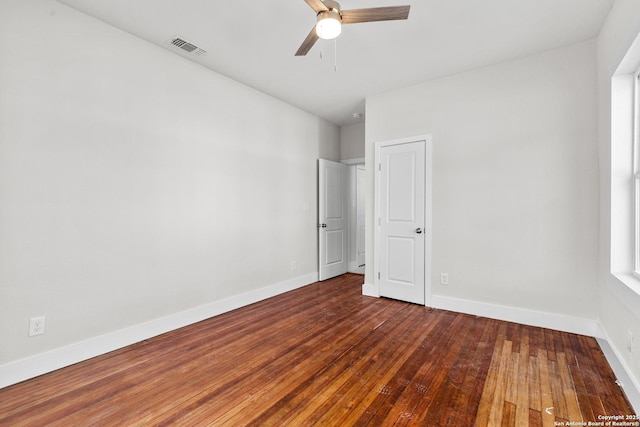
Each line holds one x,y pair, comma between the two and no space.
328,28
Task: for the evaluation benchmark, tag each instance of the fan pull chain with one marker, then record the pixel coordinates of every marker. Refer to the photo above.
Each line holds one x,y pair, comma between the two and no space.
335,56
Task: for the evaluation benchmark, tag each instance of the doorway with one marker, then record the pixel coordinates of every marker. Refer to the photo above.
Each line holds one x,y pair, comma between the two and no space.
341,217
403,219
356,215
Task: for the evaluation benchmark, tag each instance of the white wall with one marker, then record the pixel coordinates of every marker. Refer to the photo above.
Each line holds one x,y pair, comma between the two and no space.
328,142
135,184
352,141
619,307
515,180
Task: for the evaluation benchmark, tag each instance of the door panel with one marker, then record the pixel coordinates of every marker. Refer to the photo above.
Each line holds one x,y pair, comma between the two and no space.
401,177
332,221
400,265
401,187
334,183
335,243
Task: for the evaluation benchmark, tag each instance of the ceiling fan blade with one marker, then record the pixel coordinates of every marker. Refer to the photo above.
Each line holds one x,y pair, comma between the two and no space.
317,5
390,13
308,43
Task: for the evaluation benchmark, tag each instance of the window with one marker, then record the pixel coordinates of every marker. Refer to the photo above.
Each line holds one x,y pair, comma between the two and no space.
625,180
636,173
624,175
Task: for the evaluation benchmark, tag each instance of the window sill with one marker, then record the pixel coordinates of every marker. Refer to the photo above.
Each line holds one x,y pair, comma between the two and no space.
627,289
631,280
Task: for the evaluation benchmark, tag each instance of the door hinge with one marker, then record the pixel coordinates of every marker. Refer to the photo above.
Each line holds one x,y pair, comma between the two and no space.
378,275
379,166
379,221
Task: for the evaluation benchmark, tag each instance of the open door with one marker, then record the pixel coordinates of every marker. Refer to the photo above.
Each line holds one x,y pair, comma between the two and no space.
332,220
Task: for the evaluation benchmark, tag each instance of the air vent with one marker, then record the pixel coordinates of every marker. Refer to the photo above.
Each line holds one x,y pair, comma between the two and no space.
187,47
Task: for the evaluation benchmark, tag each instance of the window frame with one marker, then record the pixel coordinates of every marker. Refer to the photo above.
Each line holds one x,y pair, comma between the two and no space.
636,173
624,162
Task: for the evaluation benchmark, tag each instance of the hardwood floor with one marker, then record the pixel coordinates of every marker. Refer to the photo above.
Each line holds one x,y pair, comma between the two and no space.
325,355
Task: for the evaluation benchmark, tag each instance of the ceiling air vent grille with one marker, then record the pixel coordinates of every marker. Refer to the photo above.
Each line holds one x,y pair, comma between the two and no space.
187,47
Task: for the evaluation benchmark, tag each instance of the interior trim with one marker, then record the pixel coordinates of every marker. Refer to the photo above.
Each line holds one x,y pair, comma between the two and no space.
31,367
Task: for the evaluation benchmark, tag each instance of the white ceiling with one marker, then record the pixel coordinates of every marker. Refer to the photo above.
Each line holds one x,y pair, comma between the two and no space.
254,42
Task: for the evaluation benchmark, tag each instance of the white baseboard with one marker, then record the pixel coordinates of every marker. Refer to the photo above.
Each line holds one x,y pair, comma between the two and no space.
576,325
589,327
370,291
24,369
627,381
355,268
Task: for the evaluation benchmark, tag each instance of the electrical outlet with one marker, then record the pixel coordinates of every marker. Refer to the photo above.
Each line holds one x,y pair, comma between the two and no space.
294,265
36,326
444,278
629,340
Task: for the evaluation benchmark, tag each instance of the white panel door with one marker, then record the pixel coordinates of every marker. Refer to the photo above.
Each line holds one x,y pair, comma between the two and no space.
401,174
332,220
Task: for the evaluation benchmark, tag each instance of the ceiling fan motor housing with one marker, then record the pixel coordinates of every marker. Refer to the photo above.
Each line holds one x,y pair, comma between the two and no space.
332,6
332,12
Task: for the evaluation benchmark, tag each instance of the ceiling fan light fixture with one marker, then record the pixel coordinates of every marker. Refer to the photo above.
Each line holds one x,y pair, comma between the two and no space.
329,26
330,19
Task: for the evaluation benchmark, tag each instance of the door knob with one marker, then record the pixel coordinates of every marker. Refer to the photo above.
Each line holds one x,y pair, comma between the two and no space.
419,230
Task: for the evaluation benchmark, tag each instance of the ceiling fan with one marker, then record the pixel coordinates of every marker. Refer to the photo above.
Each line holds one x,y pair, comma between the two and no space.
330,19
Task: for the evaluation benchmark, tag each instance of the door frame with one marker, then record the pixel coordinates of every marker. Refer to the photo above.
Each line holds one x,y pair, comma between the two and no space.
428,229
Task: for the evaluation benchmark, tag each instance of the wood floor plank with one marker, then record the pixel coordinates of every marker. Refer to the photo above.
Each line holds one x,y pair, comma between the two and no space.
410,376
534,384
354,402
497,406
557,390
197,373
568,389
535,418
129,359
326,355
546,397
310,400
458,401
584,400
321,413
479,363
435,389
278,376
392,386
512,377
508,415
488,399
523,380
603,379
